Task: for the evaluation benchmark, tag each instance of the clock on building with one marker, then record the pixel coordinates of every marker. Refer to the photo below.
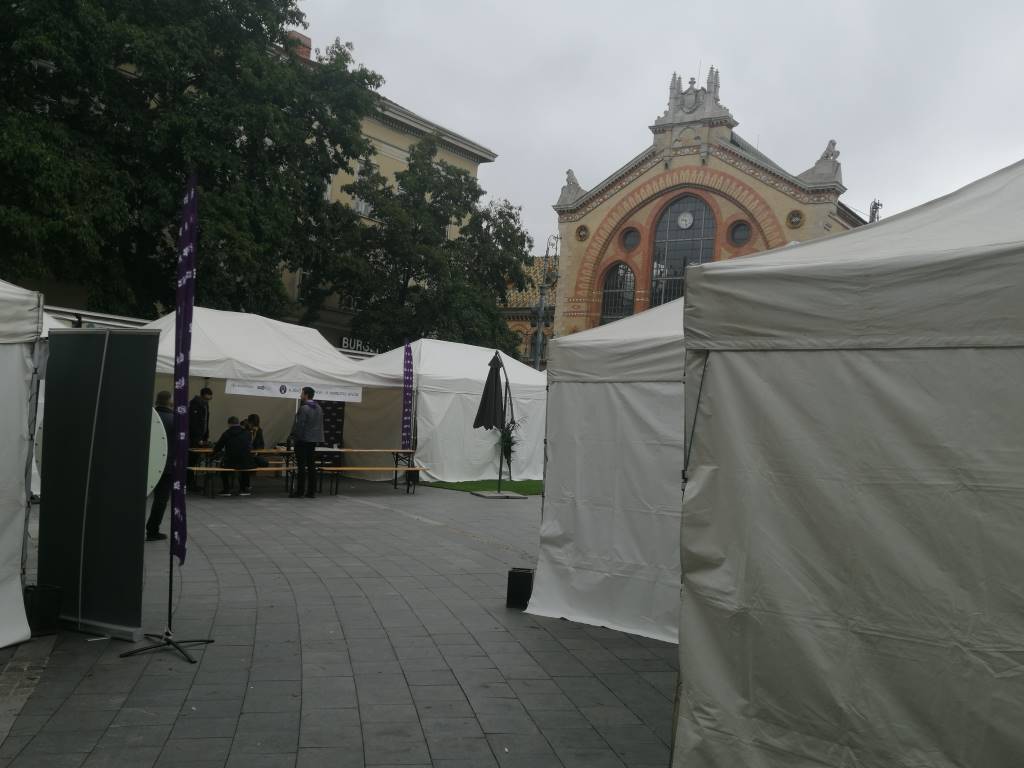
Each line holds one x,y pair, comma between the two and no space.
685,220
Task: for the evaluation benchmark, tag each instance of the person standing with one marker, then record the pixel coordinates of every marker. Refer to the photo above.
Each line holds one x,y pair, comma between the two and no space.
236,443
162,491
198,429
307,431
253,420
199,418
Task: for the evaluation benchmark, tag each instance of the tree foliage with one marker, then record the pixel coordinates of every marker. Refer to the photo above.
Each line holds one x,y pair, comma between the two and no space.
412,276
105,106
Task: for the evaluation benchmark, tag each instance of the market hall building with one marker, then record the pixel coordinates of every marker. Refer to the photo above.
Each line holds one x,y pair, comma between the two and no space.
699,193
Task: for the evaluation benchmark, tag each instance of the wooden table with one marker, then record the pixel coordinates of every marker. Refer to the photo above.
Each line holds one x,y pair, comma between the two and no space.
401,458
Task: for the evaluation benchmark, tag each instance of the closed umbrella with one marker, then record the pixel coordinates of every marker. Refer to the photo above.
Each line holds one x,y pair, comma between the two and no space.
496,412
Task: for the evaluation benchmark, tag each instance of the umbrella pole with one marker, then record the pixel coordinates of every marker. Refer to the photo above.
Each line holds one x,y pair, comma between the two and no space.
501,459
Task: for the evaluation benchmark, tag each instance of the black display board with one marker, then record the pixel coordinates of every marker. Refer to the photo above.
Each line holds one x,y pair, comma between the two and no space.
96,433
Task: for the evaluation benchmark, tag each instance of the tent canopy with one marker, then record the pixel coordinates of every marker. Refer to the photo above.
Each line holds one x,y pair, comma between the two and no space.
448,366
21,314
238,345
609,551
851,528
21,323
643,347
945,274
449,380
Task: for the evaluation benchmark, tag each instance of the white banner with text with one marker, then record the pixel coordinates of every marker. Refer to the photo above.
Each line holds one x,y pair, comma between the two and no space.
289,391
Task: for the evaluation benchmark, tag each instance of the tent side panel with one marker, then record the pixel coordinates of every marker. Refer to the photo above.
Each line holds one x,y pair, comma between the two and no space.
609,550
455,452
376,422
15,382
852,562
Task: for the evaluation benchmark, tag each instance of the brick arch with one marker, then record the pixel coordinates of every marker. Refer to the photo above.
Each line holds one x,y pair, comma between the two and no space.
674,180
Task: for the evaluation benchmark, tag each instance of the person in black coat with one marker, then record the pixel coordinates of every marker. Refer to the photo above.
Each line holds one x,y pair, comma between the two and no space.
253,420
199,418
236,445
162,491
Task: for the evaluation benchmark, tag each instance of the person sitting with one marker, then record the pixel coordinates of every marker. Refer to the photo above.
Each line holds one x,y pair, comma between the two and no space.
236,443
253,420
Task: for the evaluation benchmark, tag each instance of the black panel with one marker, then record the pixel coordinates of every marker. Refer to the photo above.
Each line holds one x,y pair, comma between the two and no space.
105,537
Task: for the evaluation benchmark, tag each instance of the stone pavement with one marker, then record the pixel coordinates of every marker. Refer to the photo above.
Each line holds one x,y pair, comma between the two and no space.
364,629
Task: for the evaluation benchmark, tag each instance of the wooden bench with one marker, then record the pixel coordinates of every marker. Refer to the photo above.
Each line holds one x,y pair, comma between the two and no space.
411,477
207,472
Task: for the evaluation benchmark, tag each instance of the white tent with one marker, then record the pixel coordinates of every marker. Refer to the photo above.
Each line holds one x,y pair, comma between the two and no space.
448,382
609,551
852,529
240,347
21,323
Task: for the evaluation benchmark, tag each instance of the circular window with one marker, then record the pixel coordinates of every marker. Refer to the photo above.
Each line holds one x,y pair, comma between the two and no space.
739,233
630,239
795,219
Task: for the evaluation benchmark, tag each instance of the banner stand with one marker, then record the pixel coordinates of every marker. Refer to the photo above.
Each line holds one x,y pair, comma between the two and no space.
185,295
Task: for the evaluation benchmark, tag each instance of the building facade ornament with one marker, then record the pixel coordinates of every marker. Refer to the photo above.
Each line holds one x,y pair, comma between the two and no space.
694,105
571,190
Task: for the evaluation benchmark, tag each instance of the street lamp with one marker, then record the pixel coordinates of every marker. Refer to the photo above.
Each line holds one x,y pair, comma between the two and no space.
548,280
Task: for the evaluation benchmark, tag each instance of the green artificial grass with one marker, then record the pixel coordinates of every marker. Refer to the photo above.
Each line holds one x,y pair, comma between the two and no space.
525,487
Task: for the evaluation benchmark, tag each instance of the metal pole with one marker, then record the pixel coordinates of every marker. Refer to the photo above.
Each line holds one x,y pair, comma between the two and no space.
538,339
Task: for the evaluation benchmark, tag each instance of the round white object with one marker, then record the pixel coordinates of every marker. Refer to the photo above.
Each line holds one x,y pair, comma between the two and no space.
158,448
685,220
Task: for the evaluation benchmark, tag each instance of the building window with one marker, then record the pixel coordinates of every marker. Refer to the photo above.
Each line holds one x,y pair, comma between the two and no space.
739,233
617,297
630,239
685,234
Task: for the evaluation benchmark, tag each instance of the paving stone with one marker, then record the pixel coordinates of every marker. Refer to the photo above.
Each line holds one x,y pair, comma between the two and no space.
389,635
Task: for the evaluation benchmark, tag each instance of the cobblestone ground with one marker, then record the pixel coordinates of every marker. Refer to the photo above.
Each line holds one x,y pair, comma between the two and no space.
363,629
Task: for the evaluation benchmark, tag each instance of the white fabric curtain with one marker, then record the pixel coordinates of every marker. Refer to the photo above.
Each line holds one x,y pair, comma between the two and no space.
16,369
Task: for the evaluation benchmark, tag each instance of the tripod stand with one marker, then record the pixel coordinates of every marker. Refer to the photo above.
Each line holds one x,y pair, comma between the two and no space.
166,640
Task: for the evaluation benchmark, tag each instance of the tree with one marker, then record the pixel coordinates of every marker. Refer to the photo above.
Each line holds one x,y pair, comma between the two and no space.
410,278
106,105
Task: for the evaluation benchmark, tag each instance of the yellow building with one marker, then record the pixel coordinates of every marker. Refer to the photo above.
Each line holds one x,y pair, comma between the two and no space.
698,193
392,131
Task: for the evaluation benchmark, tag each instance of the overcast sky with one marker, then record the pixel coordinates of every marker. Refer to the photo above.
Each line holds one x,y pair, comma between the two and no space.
922,97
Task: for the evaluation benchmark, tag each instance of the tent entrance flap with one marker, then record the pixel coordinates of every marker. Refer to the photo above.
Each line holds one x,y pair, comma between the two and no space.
291,390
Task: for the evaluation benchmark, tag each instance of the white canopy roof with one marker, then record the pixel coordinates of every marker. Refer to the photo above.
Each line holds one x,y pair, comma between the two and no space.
21,314
449,366
643,347
949,273
237,345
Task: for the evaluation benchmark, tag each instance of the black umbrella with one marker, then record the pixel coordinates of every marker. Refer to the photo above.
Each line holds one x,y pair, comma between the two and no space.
495,404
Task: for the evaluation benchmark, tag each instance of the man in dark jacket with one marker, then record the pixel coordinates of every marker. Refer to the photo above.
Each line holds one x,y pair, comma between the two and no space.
307,431
199,418
162,491
236,444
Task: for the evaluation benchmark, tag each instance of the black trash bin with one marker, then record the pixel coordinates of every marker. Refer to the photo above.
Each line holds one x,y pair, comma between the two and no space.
42,607
520,587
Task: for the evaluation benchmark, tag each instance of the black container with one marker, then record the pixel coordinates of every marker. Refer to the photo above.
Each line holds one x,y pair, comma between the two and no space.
42,608
520,587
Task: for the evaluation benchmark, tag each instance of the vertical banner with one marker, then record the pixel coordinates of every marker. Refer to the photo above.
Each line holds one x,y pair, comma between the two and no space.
185,295
407,399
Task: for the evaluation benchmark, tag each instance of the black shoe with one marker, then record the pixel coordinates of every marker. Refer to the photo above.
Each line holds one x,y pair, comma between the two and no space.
156,536
310,495
294,495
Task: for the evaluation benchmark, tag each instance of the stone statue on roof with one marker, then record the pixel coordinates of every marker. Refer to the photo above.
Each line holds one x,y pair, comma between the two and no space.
830,153
571,191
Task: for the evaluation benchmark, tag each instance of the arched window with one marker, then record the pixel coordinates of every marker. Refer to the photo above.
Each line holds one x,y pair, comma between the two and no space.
685,235
617,296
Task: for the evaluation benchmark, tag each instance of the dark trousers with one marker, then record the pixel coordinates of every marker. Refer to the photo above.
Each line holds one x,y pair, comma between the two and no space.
305,460
161,495
243,481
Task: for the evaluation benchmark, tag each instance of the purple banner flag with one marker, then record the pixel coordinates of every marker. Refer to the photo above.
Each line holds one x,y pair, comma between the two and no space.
407,399
185,296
